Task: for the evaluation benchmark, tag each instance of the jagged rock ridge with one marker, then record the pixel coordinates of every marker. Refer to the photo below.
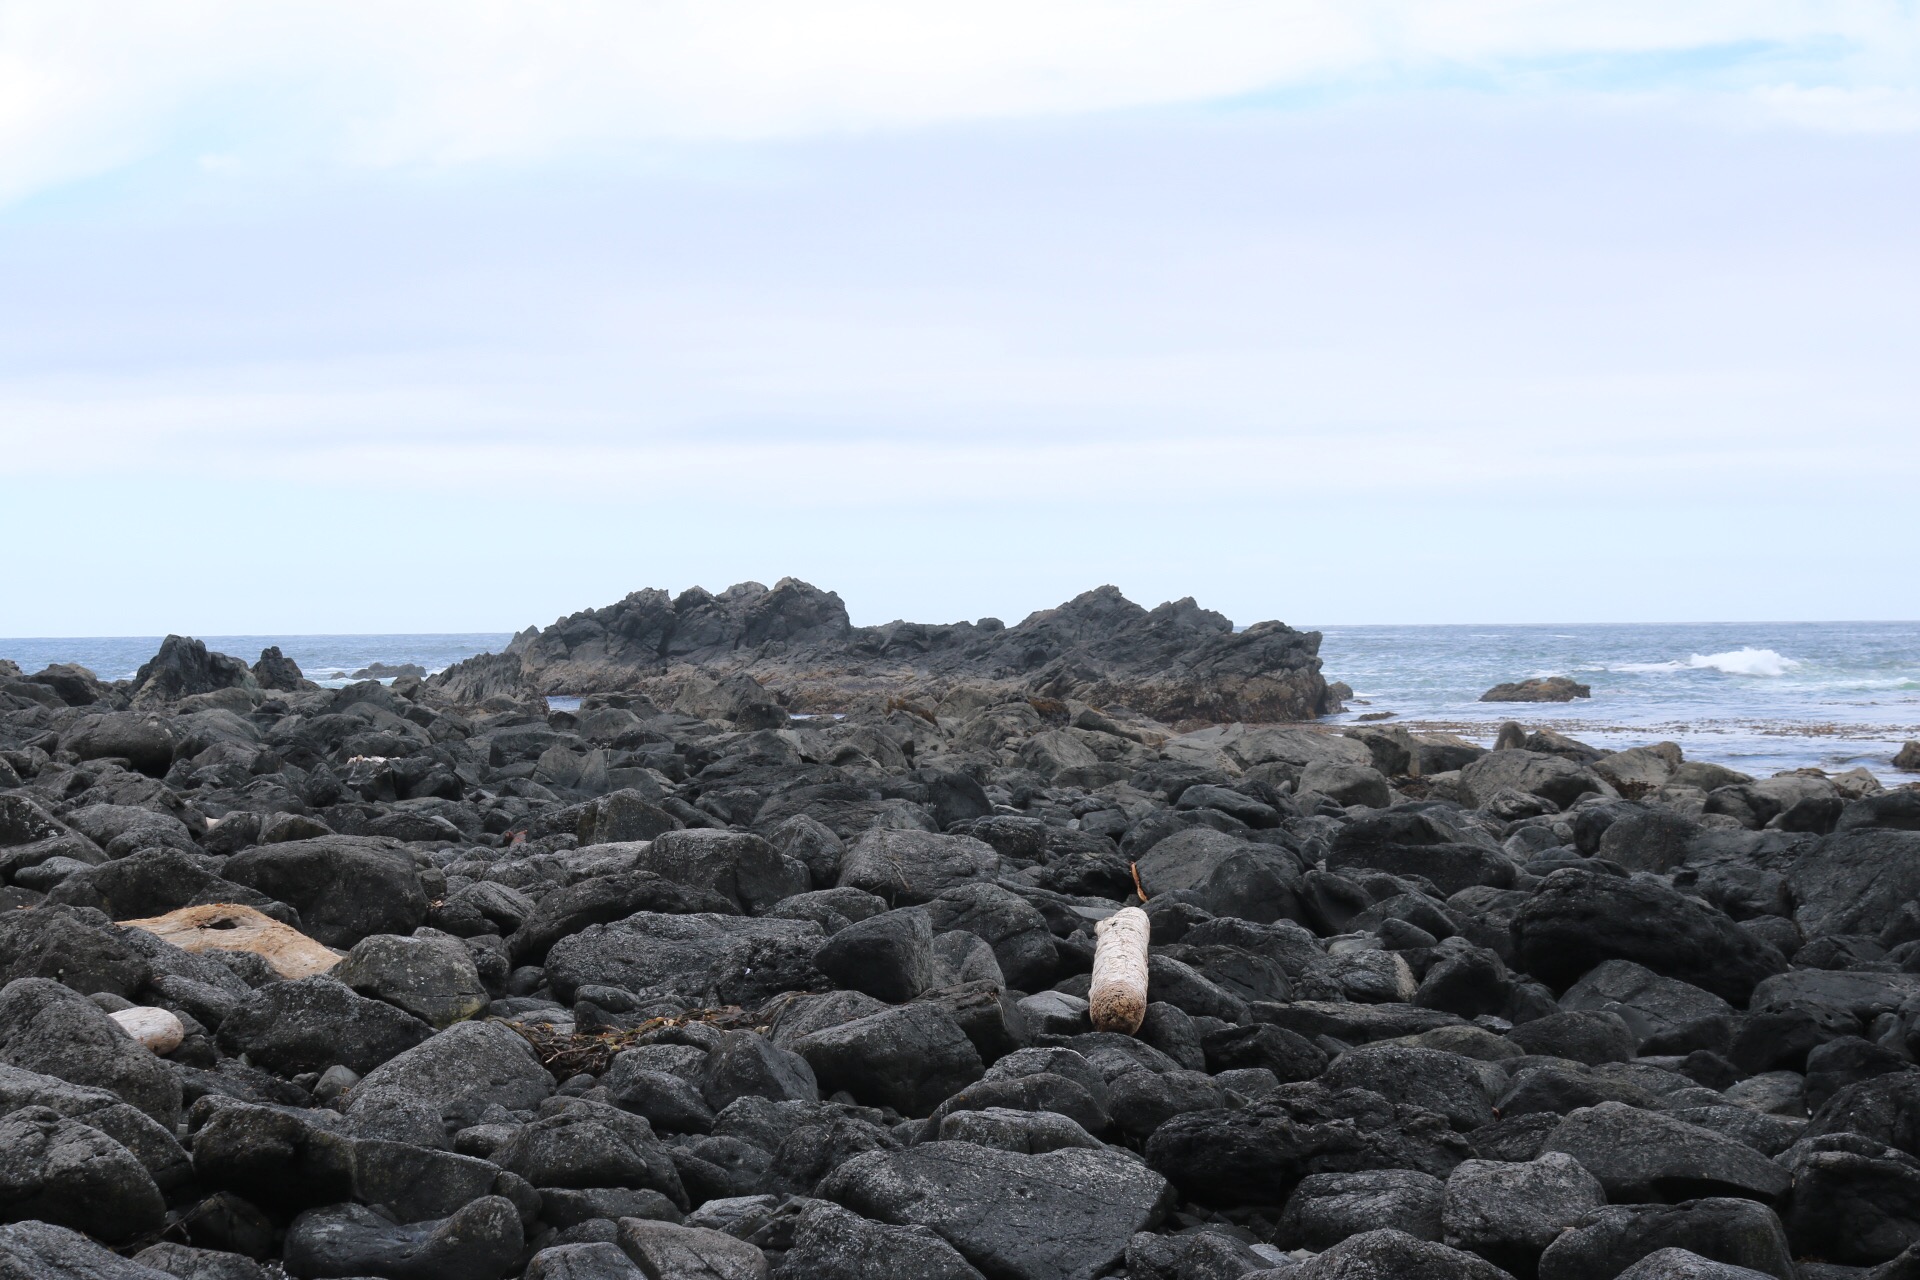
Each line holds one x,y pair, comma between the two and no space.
1178,663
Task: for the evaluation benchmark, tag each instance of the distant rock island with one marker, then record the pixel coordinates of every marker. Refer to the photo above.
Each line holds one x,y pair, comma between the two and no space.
794,649
1547,689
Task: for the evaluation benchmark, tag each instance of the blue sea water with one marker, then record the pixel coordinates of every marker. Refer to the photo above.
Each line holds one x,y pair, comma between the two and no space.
1761,697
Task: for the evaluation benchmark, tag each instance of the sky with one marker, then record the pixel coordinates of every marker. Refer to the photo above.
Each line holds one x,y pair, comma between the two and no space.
355,317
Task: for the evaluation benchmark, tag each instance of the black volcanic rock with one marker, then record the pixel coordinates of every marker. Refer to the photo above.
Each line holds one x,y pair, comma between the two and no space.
1539,689
1178,663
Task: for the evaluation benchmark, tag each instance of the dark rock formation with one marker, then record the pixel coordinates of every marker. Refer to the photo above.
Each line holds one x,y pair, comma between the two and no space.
1178,663
1538,689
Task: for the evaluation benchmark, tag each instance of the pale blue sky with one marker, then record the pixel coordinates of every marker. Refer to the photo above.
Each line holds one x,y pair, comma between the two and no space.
446,317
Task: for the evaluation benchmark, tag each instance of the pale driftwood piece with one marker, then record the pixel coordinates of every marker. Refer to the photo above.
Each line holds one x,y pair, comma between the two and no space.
158,1029
1118,999
227,926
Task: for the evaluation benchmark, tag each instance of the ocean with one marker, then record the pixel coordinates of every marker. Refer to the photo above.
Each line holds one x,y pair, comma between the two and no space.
1759,697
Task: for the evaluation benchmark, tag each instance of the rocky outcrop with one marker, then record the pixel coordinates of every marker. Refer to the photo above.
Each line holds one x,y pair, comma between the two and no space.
1178,663
1539,689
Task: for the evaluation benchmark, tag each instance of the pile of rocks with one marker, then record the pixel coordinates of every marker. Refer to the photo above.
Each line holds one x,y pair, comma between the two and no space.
482,990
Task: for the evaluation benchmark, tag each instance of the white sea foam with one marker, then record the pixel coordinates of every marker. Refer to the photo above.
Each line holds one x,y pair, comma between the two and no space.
1745,662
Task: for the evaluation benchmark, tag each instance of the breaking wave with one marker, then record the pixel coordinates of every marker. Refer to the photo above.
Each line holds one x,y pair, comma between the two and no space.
1745,662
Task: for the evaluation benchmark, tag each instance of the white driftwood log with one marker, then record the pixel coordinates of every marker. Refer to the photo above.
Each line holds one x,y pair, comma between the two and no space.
157,1029
227,926
1118,1000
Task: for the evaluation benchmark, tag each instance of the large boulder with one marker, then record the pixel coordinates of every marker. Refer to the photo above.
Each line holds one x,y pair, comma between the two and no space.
1226,875
316,1023
910,1057
1733,1231
1855,881
1536,773
1064,1215
1538,689
29,836
453,1078
909,868
64,944
184,667
344,887
71,1174
142,739
687,954
154,1146
42,1251
741,867
51,1029
1644,1155
480,1242
1577,920
603,899
1386,1252
430,975
829,1243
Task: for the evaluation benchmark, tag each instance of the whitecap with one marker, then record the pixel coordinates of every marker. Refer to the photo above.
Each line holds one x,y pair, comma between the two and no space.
1746,661
1647,668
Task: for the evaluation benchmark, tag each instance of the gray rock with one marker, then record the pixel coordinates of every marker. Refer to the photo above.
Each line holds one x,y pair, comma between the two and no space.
66,945
601,1261
686,954
183,1262
143,740
430,975
455,1076
1030,1133
1855,881
1855,1200
1643,1155
29,836
71,1174
601,899
888,956
1736,1232
316,1023
745,1064
664,1249
830,1243
1536,773
1329,1207
909,868
1377,1255
1662,1012
909,1058
154,1146
1577,920
1508,1213
1682,1264
480,1242
1591,1036
742,868
42,1251
51,1029
1444,1083
1008,923
344,887
1065,1215
591,1145
1226,875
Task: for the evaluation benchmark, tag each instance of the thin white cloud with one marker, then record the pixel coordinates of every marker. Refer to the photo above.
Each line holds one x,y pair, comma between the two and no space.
89,85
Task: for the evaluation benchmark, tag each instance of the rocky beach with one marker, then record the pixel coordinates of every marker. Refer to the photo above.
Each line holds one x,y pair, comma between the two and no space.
764,952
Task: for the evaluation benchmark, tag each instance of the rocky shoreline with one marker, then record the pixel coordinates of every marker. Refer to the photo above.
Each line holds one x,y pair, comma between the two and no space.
676,984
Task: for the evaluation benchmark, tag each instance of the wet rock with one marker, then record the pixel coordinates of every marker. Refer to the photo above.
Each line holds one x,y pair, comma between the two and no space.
430,975
698,1253
1443,1083
453,1077
71,1174
480,1242
344,887
42,1251
1065,1215
1643,1155
1386,1252
829,1243
1854,1200
1608,1241
316,1023
1538,689
744,869
909,1058
1578,920
1329,1207
687,954
1508,1213
909,868
888,956
48,1028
